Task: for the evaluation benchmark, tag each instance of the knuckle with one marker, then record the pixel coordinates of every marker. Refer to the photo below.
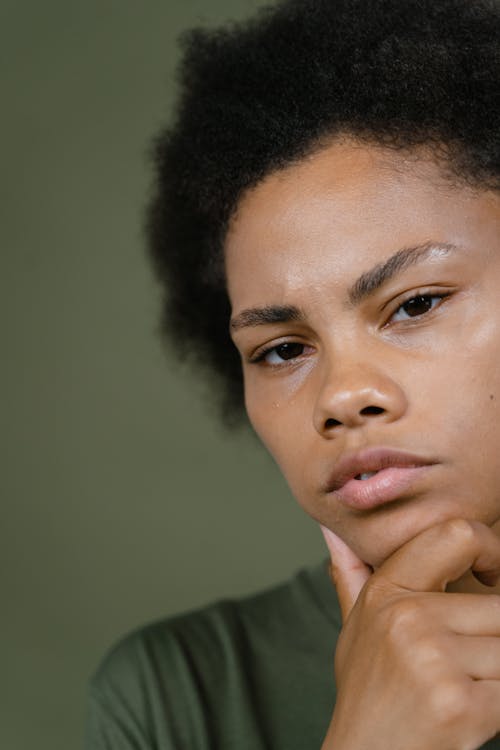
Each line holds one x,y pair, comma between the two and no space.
427,652
459,529
401,616
449,701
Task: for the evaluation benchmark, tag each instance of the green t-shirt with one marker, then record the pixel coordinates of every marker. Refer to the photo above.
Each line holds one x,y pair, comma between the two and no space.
249,674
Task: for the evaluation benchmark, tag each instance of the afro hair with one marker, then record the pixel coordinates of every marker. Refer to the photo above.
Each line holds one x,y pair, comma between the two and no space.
256,96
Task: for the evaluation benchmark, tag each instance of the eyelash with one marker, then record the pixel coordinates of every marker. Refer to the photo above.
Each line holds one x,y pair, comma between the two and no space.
420,295
261,355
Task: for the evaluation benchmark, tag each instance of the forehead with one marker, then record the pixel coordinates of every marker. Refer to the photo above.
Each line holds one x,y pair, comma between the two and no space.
341,210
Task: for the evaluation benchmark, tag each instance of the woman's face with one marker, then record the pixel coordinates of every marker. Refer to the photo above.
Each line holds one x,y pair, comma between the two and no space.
344,353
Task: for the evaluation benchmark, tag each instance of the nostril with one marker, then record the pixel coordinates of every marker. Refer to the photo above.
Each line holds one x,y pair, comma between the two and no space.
372,410
332,423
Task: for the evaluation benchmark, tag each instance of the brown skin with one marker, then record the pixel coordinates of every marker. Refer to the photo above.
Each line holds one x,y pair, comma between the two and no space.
416,669
301,238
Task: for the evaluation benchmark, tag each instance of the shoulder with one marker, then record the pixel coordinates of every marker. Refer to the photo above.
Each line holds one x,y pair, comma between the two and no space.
160,676
300,606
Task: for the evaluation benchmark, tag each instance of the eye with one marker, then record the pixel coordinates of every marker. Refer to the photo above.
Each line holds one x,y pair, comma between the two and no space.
417,306
281,353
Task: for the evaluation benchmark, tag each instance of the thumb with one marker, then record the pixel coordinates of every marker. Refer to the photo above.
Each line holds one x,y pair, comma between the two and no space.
348,572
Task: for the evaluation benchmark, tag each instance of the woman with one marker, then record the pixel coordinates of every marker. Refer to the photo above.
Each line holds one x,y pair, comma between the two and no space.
327,228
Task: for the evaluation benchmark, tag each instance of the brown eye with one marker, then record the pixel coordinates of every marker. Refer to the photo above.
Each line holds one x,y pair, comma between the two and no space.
284,352
417,306
289,351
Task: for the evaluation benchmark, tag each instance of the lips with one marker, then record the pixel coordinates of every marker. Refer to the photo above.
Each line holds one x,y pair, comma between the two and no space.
394,474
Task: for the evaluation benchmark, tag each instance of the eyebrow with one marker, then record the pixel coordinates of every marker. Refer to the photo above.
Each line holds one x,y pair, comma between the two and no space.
257,316
366,285
376,277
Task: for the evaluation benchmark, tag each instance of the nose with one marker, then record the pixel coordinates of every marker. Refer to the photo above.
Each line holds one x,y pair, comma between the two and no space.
357,395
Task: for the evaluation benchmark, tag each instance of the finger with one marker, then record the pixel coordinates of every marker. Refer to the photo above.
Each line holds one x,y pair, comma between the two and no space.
443,553
348,572
477,657
463,614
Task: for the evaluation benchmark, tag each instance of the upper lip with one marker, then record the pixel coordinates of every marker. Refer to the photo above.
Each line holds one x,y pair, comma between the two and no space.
371,459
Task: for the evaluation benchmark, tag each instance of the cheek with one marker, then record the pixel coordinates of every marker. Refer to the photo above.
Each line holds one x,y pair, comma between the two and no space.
458,416
275,424
285,429
473,394
280,410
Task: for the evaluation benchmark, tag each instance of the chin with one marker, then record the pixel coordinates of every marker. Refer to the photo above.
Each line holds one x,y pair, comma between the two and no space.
376,537
373,552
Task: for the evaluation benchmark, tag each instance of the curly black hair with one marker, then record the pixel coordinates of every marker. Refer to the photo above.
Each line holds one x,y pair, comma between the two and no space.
259,95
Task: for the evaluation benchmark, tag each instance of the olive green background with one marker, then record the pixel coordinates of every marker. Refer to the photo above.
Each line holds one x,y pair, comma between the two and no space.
123,500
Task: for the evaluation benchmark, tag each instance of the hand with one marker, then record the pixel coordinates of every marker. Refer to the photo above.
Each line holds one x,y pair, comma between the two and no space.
417,668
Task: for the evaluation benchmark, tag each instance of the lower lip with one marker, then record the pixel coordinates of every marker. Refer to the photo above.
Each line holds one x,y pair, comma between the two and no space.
386,486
